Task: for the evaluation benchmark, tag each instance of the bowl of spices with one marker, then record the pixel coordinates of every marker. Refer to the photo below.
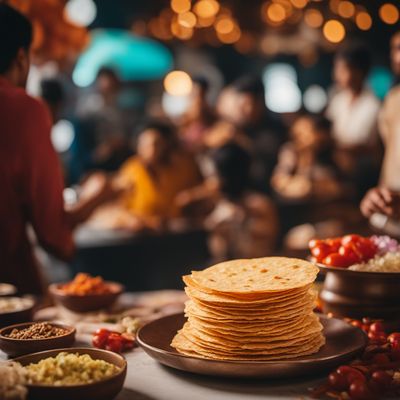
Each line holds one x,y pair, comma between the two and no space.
86,293
20,339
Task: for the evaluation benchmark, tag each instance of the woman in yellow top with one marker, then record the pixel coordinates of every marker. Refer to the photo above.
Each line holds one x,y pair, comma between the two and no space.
159,171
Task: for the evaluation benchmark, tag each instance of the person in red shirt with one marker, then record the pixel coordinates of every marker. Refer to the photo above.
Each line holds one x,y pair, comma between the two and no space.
31,183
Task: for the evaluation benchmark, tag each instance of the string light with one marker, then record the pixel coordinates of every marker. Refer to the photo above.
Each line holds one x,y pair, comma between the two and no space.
178,83
181,32
187,19
313,18
299,3
334,5
334,31
346,9
363,21
205,22
180,6
231,37
224,25
206,8
389,13
276,12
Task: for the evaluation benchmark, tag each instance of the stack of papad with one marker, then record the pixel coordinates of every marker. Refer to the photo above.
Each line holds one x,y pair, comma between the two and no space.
260,309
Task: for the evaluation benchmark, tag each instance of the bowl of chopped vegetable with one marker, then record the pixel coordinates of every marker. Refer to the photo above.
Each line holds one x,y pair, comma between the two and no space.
76,373
362,276
20,339
86,293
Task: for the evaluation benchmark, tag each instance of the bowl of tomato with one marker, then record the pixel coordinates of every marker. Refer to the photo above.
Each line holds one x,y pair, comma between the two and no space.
350,290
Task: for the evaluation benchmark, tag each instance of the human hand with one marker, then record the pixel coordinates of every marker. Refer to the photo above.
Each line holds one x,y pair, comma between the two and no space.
380,200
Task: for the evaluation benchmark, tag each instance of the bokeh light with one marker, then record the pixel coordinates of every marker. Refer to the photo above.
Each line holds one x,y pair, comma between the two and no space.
276,12
231,37
315,99
389,13
346,9
224,25
187,19
178,83
282,93
81,12
334,5
363,21
299,3
62,135
180,6
313,18
181,32
334,31
206,8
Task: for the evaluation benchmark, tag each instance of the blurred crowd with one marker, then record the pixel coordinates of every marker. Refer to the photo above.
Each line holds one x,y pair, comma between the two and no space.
255,180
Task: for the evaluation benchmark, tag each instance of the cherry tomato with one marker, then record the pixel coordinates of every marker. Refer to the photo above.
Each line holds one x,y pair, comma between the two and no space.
336,260
350,254
382,378
366,247
394,336
114,343
334,243
380,358
379,337
359,391
128,341
377,327
321,251
351,374
337,381
100,338
314,242
350,238
395,344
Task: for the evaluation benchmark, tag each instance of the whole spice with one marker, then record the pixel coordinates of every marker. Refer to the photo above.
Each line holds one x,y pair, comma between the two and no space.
40,330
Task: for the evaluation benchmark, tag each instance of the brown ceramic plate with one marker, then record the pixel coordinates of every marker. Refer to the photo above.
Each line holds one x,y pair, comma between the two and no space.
343,342
22,314
106,389
19,347
86,303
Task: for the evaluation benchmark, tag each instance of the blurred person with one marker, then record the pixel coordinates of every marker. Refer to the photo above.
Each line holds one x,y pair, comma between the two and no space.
31,181
242,223
153,178
53,94
306,169
102,133
353,111
198,118
385,198
389,124
242,104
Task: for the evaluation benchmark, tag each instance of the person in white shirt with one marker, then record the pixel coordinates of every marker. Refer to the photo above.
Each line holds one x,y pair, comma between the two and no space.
354,110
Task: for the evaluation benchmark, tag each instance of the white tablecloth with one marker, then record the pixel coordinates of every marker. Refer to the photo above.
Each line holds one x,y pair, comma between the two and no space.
148,380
